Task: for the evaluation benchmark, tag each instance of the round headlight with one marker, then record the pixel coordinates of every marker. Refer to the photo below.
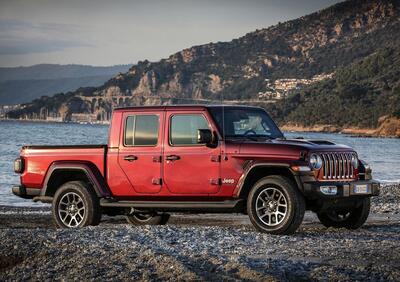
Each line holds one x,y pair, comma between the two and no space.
354,161
315,161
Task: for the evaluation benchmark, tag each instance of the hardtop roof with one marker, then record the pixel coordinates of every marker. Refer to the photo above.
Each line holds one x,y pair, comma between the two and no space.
177,107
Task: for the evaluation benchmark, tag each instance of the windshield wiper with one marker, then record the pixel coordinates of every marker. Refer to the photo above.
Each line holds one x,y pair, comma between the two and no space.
250,137
258,137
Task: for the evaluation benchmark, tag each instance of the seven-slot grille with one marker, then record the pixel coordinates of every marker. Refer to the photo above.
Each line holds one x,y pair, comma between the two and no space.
337,165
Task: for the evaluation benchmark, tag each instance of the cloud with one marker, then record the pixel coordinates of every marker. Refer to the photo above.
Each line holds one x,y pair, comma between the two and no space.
21,37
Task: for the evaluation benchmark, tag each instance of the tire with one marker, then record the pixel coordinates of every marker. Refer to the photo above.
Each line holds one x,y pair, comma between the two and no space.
353,219
76,199
148,219
268,198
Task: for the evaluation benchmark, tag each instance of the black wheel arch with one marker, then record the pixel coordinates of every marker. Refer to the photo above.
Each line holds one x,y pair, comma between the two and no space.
257,171
62,172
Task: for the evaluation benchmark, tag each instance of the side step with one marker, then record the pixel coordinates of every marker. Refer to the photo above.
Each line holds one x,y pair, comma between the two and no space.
174,205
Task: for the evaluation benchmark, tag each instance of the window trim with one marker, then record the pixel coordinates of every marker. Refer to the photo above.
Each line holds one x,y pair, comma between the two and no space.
134,125
185,145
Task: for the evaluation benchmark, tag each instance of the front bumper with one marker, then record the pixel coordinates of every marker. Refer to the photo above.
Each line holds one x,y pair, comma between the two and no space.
26,193
345,189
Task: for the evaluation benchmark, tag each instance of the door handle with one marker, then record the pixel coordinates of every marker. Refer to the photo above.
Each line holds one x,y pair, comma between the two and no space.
172,158
130,158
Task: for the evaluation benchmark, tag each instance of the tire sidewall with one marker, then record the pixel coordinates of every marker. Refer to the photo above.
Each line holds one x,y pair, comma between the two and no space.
355,220
86,198
286,189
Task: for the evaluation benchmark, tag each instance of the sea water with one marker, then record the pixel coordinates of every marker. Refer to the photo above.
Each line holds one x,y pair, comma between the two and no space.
383,154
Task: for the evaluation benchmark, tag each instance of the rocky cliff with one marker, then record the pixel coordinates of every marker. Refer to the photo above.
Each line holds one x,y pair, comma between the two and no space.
239,70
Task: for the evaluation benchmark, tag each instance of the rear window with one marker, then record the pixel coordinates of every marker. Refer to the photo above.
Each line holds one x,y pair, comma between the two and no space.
141,130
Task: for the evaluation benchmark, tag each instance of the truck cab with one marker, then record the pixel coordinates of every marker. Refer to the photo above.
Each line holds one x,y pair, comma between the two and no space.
199,158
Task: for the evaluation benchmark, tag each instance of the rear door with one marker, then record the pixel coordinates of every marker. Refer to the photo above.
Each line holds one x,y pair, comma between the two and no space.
140,151
189,168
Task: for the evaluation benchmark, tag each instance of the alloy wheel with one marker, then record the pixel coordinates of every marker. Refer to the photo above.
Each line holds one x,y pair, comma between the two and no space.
271,206
71,209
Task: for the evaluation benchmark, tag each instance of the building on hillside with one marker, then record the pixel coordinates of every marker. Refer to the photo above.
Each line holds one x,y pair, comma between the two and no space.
281,88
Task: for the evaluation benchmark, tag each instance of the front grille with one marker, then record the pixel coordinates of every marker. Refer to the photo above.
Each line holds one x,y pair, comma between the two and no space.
337,166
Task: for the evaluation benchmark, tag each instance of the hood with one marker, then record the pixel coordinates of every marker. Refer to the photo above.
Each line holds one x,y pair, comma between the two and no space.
314,145
288,147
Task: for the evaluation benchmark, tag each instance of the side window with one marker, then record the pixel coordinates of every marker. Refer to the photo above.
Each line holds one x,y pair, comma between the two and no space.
184,128
141,130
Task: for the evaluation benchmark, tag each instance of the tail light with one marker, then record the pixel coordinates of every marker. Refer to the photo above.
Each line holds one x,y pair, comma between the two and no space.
19,165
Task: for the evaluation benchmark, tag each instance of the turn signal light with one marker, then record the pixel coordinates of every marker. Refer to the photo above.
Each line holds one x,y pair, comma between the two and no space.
301,168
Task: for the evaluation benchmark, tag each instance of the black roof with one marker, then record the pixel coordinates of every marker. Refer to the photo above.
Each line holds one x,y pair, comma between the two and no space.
190,106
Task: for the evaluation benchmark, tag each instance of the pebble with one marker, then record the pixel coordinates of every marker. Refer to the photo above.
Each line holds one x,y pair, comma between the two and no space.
114,250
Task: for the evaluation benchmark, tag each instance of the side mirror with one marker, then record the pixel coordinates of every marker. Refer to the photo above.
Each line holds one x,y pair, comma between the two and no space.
205,136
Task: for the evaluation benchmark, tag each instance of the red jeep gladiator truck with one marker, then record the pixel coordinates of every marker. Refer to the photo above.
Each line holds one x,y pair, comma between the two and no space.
198,159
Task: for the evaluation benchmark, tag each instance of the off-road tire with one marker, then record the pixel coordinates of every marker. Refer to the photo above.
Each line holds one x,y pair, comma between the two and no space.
89,200
355,219
148,219
295,203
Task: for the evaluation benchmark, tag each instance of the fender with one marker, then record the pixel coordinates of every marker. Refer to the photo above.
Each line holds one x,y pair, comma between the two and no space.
91,171
251,166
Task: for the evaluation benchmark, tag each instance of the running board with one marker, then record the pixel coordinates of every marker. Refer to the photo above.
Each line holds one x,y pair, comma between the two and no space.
173,205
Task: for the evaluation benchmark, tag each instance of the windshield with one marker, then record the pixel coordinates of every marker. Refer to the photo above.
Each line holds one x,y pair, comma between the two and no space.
245,122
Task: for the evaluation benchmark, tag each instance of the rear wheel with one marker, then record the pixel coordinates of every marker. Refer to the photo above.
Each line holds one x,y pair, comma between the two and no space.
148,218
75,204
350,219
275,205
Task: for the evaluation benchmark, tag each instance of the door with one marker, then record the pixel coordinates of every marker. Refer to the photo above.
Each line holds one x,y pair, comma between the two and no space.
189,168
140,152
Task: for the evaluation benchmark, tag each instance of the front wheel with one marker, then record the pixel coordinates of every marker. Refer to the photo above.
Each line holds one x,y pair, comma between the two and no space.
275,205
350,219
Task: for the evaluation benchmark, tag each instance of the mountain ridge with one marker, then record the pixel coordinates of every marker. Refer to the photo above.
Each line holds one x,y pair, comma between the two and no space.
24,84
320,43
56,71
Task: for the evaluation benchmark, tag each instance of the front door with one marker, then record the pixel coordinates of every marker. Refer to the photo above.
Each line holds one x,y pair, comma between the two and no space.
189,168
140,154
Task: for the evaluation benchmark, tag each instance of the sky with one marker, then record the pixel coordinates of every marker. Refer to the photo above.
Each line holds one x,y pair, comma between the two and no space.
110,32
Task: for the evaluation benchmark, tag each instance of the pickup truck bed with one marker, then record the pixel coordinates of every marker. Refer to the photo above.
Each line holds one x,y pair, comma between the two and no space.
40,158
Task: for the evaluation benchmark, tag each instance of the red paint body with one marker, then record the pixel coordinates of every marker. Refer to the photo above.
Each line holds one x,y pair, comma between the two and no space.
201,171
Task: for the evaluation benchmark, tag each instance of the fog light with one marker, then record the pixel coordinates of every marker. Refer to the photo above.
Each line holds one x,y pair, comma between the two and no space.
328,190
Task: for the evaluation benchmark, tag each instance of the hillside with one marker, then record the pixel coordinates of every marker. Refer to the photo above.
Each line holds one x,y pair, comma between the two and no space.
331,44
362,94
24,84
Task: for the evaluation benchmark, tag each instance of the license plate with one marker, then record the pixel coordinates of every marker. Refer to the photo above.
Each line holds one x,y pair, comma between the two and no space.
361,189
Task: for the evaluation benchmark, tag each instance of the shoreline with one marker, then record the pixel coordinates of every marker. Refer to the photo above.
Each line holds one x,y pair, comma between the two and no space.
351,131
53,121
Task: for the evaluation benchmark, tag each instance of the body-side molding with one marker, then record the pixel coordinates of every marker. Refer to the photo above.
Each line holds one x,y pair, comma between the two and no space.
91,171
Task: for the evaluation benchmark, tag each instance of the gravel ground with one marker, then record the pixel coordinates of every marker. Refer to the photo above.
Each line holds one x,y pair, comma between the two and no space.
388,200
200,247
